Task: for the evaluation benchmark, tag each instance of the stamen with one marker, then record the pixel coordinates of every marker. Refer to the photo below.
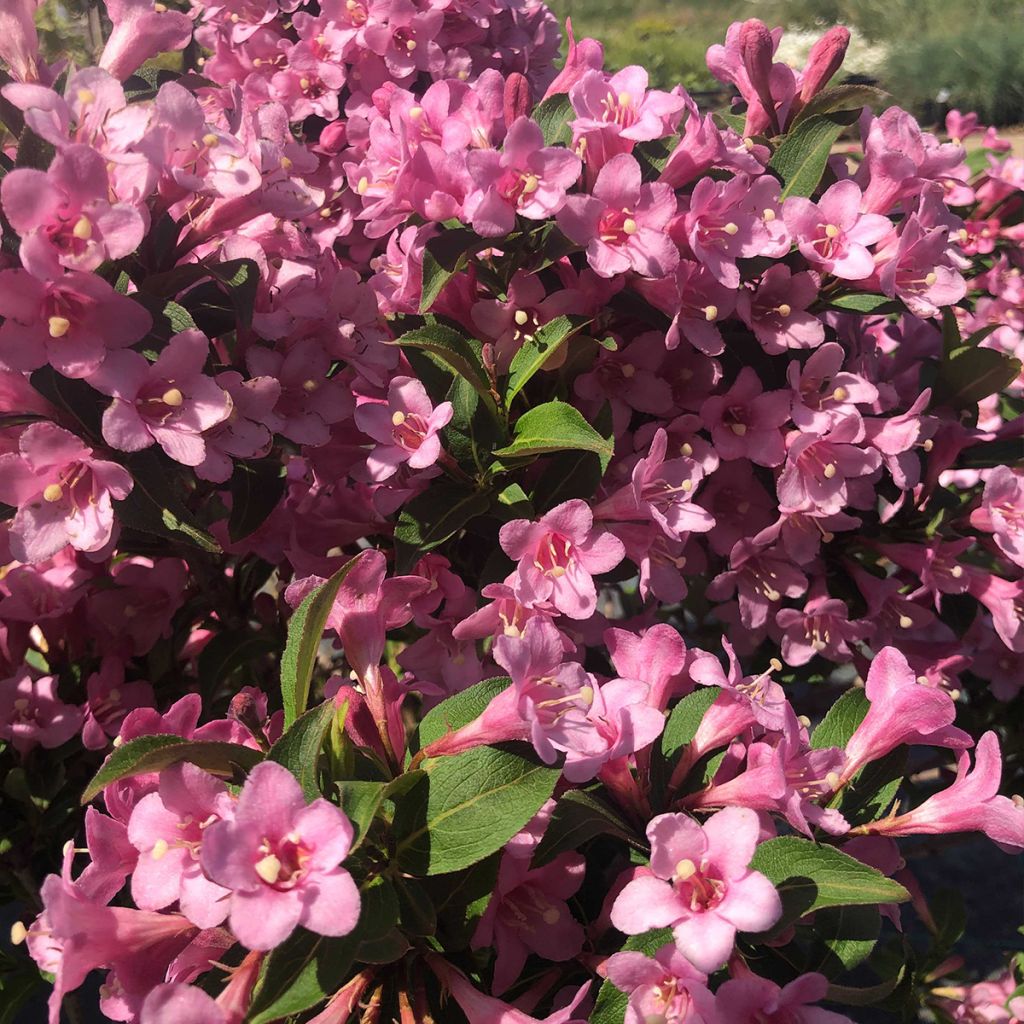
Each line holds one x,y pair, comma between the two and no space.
269,869
398,417
685,869
160,848
59,326
52,493
18,933
82,229
629,226
172,397
710,313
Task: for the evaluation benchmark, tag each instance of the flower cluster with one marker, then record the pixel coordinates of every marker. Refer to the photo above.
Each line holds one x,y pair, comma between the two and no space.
557,435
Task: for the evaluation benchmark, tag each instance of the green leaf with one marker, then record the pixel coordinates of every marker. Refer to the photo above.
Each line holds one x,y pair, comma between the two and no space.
454,351
360,801
301,973
991,453
573,474
842,97
82,403
802,156
836,728
846,937
611,1004
577,817
299,748
466,807
554,115
445,255
256,487
154,753
685,719
228,652
538,349
305,631
865,302
459,710
851,995
971,374
433,517
169,318
810,877
33,151
555,427
155,506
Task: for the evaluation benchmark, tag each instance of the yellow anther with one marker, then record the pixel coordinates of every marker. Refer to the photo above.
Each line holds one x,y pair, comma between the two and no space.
18,933
269,869
772,594
628,369
739,429
731,228
830,471
625,99
162,9
768,216
415,113
310,385
776,665
831,231
52,493
804,721
410,45
928,445
521,317
686,449
159,850
82,228
930,278
629,226
687,485
956,572
840,394
85,96
117,741
364,184
906,622
748,144
685,869
833,780
210,140
710,313
303,84
785,309
743,507
172,397
325,212
59,326
530,184
398,418
235,19
551,915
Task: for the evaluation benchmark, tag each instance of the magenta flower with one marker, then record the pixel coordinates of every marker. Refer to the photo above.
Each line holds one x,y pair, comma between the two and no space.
666,988
833,234
903,710
142,29
745,422
281,860
69,323
622,224
33,715
749,999
405,428
916,269
170,401
167,828
244,434
656,656
559,555
824,393
700,886
528,914
174,1003
525,178
700,301
1002,512
64,216
63,494
110,698
776,310
821,627
970,804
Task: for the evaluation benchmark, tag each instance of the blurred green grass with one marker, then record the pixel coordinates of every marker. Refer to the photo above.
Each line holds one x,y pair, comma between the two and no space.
931,54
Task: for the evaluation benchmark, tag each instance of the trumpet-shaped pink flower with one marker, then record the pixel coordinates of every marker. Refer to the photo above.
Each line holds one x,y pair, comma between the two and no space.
745,422
69,323
622,224
405,428
167,828
19,41
280,858
142,29
700,886
666,988
1002,512
175,1003
63,494
525,178
902,710
776,311
64,215
558,557
970,804
110,699
833,234
33,715
749,999
170,401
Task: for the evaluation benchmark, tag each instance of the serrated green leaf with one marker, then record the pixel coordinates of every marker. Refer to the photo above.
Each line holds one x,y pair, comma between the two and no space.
810,877
802,155
554,427
554,115
685,719
445,255
865,302
842,719
256,488
299,748
971,374
432,517
846,937
305,631
577,817
360,801
154,753
466,807
842,97
538,349
458,710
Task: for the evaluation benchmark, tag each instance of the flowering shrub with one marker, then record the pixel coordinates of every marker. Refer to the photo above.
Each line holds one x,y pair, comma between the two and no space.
495,544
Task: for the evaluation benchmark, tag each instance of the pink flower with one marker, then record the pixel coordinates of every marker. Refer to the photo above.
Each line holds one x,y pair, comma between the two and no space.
64,217
970,804
823,392
175,1003
745,421
657,656
69,323
244,434
700,886
170,401
33,715
833,234
821,627
666,988
110,698
916,269
700,301
63,494
528,914
405,428
167,828
776,310
558,557
1002,512
142,29
526,178
19,41
749,999
902,710
622,224
281,860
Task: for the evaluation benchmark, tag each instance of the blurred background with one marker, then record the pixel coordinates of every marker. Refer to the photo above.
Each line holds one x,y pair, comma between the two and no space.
935,55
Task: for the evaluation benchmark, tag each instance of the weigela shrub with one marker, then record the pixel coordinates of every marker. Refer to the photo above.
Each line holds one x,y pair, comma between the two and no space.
495,543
